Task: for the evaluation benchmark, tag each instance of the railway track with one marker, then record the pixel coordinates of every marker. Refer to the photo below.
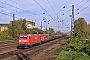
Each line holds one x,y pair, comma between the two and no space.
28,53
7,46
7,43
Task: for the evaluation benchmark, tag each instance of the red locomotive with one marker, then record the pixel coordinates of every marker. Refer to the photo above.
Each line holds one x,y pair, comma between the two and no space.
27,40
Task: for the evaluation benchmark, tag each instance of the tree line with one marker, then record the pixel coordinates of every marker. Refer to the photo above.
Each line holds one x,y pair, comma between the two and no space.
17,27
81,26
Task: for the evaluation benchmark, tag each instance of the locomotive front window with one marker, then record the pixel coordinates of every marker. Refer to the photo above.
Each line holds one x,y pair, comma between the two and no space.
23,37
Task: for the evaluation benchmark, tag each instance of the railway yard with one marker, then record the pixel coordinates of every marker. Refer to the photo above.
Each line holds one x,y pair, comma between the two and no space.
46,51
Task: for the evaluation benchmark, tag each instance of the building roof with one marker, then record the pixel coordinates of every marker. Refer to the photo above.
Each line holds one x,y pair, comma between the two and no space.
3,24
27,22
30,22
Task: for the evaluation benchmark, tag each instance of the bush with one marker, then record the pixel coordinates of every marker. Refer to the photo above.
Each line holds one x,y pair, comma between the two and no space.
72,55
75,50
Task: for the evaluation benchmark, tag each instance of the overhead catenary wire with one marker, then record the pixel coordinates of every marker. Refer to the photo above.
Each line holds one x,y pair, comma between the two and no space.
61,25
5,13
64,7
44,9
51,6
4,2
15,3
20,4
83,4
83,9
46,12
75,6
9,14
70,8
2,12
79,2
68,2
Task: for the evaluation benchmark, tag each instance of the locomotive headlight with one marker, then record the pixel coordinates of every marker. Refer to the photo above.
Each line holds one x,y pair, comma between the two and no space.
19,40
25,40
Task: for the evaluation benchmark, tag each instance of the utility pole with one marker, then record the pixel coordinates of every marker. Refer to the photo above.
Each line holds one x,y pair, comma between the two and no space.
41,25
13,31
72,22
13,17
46,27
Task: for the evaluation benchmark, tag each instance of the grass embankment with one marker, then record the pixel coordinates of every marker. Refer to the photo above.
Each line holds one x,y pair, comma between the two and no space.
76,49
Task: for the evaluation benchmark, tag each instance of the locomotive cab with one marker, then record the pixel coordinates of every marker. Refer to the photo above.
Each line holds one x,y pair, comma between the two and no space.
23,41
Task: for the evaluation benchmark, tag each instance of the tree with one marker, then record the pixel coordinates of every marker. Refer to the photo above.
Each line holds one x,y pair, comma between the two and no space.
80,25
88,29
34,31
19,27
51,32
58,33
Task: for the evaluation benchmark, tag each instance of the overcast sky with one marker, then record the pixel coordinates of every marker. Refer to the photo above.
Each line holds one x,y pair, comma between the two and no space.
57,11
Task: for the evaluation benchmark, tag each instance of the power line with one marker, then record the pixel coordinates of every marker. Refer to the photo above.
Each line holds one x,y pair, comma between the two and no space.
4,2
66,12
75,5
44,9
51,6
68,2
62,9
82,5
18,3
83,9
64,6
70,8
79,2
2,12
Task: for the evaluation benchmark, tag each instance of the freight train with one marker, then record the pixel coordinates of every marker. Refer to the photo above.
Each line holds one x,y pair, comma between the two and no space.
28,40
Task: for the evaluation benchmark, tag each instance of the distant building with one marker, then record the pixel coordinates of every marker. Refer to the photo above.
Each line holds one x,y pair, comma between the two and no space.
3,27
30,25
